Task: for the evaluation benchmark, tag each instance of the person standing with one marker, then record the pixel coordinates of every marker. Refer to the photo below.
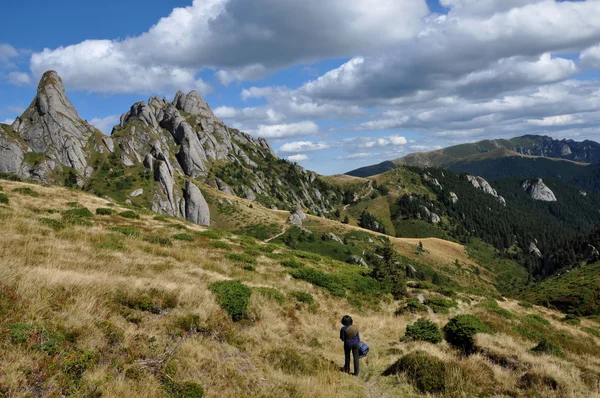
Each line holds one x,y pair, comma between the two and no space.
351,338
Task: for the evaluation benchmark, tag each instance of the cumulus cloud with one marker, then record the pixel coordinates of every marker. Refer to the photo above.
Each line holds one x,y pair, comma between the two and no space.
241,40
297,158
287,130
590,57
105,124
8,121
18,78
7,52
304,146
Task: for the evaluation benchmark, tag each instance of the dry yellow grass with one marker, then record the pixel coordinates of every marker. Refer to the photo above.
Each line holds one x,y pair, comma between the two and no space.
70,280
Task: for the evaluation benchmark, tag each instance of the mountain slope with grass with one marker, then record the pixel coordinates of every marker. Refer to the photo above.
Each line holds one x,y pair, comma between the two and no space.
98,299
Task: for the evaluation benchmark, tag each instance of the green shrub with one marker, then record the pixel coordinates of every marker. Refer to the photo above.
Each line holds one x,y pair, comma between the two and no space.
461,330
127,231
217,244
537,382
548,348
188,389
103,211
413,305
320,279
571,319
188,323
268,248
161,218
423,330
52,223
80,212
77,363
233,297
184,237
3,198
20,333
152,300
302,297
291,263
209,233
157,240
241,258
177,226
74,204
425,372
440,305
130,214
536,320
270,293
27,191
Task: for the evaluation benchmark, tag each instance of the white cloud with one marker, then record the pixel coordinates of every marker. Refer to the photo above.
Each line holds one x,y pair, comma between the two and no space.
287,130
590,57
18,78
304,146
7,52
8,121
297,158
359,155
238,39
105,124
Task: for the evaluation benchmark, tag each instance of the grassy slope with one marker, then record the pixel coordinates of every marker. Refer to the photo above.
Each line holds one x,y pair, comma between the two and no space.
72,281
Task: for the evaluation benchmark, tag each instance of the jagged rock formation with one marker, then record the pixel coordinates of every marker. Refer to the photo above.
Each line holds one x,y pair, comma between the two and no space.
49,139
485,186
334,237
157,156
297,216
533,249
453,197
538,190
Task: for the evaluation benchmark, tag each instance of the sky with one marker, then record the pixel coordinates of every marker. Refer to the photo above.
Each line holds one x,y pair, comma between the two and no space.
332,84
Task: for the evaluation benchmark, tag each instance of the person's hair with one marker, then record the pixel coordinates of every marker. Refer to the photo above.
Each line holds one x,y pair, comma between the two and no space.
347,320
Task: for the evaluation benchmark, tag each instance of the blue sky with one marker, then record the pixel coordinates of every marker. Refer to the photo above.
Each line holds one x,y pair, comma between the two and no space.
331,84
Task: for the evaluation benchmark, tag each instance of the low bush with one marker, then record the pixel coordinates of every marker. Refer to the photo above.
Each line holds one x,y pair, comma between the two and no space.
52,223
152,300
217,244
425,372
571,319
440,305
233,297
320,279
291,263
177,226
423,330
80,212
241,258
161,217
461,330
127,231
534,381
74,204
184,237
130,214
270,293
268,248
3,198
157,240
27,191
20,332
301,297
209,233
546,347
413,305
103,211
187,389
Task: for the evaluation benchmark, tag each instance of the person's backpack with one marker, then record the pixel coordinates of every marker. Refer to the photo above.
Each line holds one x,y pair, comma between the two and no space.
363,350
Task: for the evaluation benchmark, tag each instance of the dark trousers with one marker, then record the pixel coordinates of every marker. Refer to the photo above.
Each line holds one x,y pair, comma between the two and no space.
354,349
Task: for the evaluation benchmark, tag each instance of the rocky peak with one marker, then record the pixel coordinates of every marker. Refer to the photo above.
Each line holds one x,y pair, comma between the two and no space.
538,190
193,104
482,184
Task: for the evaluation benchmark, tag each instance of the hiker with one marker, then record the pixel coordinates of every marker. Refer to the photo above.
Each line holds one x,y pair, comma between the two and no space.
349,335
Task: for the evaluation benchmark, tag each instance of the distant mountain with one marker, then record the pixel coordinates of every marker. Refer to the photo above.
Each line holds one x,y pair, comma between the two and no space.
157,157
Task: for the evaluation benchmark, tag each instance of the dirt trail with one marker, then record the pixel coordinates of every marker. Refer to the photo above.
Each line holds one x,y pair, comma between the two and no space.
362,197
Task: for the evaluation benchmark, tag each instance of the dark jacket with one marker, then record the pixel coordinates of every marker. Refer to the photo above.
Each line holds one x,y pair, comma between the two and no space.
349,334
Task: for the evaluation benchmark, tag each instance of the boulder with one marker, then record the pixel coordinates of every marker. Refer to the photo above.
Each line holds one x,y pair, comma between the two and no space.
537,190
453,197
334,237
533,249
354,259
136,193
196,208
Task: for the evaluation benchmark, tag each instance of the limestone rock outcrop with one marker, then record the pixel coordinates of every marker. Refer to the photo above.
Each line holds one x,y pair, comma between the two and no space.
482,184
196,208
538,190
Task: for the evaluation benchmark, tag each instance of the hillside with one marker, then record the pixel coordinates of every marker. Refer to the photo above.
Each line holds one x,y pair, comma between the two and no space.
527,157
98,302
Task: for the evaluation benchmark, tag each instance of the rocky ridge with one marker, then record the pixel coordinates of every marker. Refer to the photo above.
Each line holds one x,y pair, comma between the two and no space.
485,186
159,156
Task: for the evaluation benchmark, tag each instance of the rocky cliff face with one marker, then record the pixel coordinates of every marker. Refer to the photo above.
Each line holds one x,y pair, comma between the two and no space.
584,151
49,140
163,151
538,190
485,186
